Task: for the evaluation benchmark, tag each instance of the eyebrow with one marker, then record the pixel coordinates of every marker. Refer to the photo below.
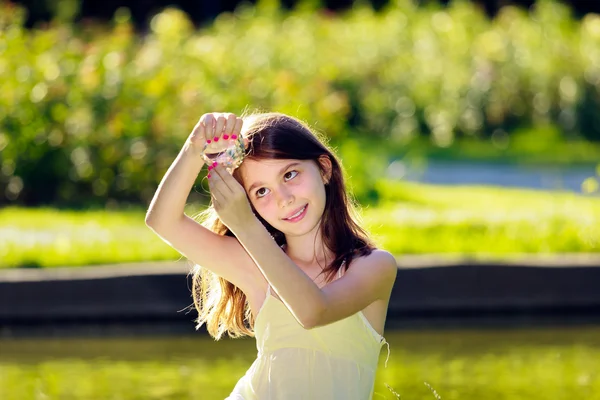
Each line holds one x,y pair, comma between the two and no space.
281,171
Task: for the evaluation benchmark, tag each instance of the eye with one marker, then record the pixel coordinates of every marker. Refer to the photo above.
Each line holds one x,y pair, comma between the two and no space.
258,192
288,176
291,172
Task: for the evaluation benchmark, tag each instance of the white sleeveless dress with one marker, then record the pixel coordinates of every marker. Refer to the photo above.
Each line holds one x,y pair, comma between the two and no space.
337,361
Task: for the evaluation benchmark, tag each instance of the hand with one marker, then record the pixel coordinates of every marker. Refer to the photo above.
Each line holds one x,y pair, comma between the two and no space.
229,198
213,126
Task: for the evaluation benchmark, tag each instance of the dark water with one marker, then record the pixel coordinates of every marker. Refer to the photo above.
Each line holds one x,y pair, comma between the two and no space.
470,173
33,350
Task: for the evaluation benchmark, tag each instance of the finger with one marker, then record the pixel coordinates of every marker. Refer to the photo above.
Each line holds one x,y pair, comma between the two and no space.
198,133
215,193
229,126
218,175
227,176
219,126
209,126
237,129
199,125
231,182
216,204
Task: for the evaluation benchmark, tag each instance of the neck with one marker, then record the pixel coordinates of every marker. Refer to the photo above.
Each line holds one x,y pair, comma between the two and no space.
308,250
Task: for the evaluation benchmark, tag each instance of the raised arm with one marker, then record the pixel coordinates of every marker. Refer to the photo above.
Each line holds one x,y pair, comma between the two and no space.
222,255
368,279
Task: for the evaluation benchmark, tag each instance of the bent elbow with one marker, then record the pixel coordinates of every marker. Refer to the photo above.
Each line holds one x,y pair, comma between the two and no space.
155,222
314,320
158,227
308,325
150,222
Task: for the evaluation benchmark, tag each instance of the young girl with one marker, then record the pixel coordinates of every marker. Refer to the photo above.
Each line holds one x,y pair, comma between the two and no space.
284,259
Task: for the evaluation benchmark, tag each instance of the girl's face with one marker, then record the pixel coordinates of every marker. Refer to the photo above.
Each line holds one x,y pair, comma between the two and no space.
288,194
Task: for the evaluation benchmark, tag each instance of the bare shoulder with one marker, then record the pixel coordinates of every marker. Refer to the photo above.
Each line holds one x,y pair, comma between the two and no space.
380,266
379,259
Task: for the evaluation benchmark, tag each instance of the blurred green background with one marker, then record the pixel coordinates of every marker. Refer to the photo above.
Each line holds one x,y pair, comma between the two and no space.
92,114
461,134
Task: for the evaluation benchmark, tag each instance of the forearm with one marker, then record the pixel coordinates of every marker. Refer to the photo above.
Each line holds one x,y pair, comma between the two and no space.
299,293
169,200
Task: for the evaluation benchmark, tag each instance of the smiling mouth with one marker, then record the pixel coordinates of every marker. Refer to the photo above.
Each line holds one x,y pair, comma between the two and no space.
297,214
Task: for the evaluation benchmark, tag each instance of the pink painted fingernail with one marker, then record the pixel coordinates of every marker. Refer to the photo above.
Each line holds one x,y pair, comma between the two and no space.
208,176
207,140
225,137
234,137
214,164
210,167
216,139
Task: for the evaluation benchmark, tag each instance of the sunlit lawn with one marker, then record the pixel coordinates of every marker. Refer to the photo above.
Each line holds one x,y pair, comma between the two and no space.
410,219
416,218
544,363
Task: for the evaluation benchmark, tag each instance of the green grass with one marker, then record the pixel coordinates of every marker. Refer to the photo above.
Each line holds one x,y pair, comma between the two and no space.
545,363
410,219
479,221
45,237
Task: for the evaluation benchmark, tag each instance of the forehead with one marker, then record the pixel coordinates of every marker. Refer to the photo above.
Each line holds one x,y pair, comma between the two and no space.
254,170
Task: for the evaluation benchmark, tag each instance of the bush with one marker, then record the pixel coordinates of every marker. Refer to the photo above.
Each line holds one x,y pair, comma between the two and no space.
95,113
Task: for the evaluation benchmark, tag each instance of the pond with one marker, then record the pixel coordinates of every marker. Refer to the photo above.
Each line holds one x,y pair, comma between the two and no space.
534,363
569,178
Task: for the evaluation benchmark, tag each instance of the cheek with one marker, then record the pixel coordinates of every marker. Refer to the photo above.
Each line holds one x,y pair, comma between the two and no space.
322,193
264,208
304,186
316,186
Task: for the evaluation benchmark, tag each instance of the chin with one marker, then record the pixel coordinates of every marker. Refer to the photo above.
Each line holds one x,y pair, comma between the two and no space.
301,230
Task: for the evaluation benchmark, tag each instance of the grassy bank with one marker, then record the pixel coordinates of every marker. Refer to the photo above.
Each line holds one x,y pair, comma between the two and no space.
410,219
416,218
558,364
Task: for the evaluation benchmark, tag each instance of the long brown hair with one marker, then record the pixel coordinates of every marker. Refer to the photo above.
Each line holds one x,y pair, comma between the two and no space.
221,305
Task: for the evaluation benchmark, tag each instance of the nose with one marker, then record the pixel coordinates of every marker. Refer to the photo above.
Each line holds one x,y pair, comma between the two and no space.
284,197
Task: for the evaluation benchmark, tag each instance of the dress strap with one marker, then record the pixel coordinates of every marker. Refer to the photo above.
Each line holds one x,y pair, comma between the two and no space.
339,275
388,354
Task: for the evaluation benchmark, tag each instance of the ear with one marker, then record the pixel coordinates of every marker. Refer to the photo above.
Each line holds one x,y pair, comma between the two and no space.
326,167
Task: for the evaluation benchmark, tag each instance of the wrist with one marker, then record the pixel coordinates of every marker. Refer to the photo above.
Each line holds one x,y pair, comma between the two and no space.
248,227
193,151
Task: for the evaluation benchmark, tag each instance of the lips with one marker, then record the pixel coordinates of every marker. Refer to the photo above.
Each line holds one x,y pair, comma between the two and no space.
297,211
